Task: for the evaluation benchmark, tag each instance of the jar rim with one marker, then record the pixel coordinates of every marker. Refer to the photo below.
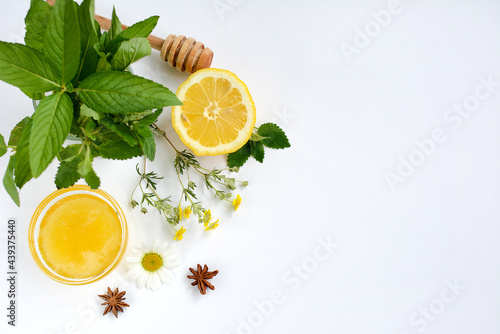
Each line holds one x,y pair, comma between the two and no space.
54,198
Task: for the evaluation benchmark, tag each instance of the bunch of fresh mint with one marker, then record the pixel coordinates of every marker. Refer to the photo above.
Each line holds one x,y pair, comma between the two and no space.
79,75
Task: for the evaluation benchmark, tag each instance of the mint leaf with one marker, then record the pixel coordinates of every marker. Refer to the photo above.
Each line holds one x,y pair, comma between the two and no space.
51,124
119,150
146,137
88,126
67,175
62,40
104,135
257,150
25,68
275,137
238,158
89,35
3,146
76,163
70,152
121,130
87,112
15,134
140,29
36,23
101,46
151,118
33,96
123,92
85,165
8,181
256,137
116,25
92,179
22,168
137,30
149,145
142,119
103,65
129,52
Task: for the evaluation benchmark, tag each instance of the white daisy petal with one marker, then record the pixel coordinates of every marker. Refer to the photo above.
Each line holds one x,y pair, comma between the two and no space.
134,259
129,266
172,250
163,248
156,245
156,280
165,275
171,256
171,264
141,280
162,276
134,272
151,283
137,252
148,281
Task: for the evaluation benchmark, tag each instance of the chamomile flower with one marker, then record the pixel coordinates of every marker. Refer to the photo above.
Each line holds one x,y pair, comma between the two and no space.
150,266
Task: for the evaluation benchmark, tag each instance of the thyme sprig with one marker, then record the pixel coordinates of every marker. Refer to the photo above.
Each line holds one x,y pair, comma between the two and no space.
220,184
148,186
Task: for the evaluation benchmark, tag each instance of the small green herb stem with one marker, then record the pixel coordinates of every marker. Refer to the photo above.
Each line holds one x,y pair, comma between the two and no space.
198,169
182,184
206,173
203,171
184,191
135,188
139,184
164,134
207,176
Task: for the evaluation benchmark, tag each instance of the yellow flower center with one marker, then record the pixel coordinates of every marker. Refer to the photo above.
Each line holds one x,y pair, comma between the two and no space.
152,262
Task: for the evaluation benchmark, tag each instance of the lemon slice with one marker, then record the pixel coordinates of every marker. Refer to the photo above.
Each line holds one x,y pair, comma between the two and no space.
217,115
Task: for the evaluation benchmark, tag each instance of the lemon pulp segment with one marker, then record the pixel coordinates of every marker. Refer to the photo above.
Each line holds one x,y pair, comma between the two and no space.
217,115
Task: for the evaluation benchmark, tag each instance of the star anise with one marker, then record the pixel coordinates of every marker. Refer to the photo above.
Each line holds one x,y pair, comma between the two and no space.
114,302
201,276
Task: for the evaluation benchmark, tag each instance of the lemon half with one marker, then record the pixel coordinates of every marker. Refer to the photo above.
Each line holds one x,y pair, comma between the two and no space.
217,115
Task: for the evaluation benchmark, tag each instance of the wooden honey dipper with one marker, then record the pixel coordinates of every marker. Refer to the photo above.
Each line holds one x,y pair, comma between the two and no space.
184,54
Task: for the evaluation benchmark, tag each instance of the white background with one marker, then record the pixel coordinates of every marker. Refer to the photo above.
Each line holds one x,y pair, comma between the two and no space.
352,118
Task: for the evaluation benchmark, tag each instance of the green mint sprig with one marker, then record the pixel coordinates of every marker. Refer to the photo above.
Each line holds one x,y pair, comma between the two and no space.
79,75
267,135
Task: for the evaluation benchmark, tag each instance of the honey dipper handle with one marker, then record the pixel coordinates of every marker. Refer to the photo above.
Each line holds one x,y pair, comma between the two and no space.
156,42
